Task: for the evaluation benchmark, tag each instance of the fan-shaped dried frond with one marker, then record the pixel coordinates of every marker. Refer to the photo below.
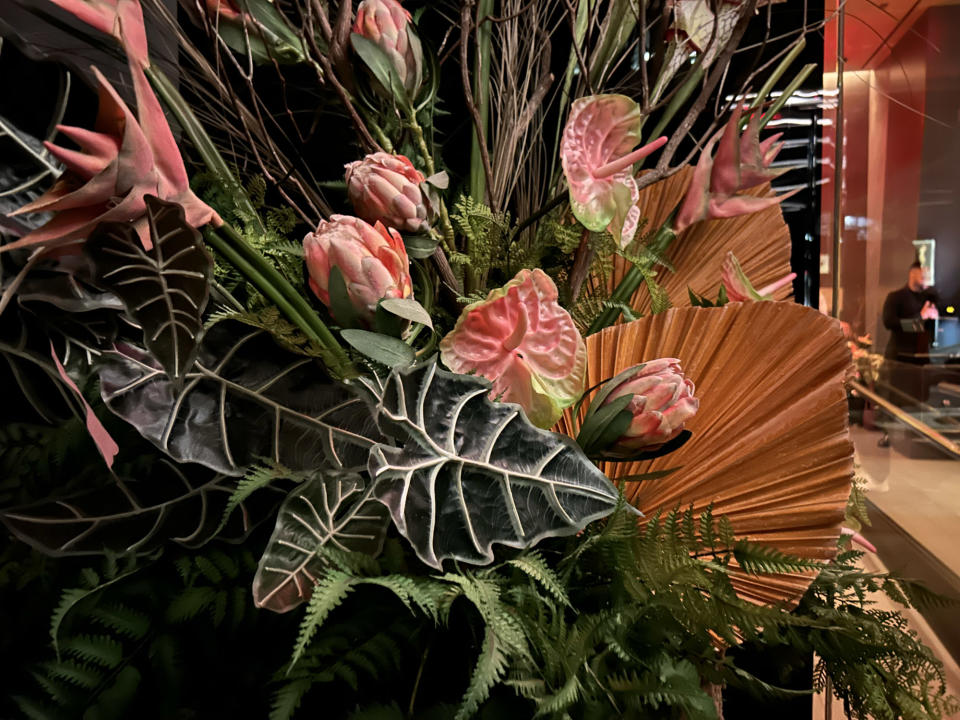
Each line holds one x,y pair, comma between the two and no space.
760,241
770,446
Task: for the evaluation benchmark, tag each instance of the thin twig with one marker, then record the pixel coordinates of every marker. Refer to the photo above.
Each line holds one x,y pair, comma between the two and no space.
584,70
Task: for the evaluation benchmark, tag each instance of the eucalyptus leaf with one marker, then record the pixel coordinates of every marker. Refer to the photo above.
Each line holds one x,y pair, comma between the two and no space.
245,398
408,309
131,515
165,289
384,349
335,510
341,307
469,472
420,246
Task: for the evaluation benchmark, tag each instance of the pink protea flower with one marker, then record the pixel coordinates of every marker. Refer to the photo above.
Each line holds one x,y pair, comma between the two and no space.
521,340
124,159
598,163
713,191
738,285
387,24
663,401
386,187
371,258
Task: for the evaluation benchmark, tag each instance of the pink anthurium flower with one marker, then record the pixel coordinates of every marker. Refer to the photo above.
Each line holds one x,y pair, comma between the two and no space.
713,191
597,152
521,340
124,159
738,285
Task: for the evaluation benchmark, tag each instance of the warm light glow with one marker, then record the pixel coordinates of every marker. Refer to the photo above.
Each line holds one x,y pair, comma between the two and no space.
950,309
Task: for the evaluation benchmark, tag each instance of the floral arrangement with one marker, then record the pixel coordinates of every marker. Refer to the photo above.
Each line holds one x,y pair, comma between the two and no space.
447,393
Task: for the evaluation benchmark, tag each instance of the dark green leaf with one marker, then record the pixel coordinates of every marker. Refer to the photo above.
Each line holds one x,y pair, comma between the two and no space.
245,399
341,307
386,350
597,424
165,289
336,510
380,66
470,472
133,515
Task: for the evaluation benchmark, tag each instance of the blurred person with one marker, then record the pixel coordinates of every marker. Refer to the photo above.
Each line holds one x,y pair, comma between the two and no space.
905,314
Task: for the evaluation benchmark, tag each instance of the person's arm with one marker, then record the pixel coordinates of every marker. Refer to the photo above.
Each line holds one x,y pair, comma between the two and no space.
891,312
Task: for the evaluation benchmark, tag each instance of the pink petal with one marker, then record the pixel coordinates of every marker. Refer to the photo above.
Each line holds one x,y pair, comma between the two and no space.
105,444
725,177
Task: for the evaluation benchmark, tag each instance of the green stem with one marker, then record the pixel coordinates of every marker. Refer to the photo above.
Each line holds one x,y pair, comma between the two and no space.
202,143
778,73
677,102
481,95
785,95
421,142
634,278
265,277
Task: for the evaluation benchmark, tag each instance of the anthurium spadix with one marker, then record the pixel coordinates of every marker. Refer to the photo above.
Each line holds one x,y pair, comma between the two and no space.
528,346
598,155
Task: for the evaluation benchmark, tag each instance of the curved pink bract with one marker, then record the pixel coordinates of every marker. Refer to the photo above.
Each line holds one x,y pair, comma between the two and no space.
521,340
598,163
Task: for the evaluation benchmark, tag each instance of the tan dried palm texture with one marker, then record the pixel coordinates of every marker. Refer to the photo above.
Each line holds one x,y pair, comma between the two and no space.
761,242
770,446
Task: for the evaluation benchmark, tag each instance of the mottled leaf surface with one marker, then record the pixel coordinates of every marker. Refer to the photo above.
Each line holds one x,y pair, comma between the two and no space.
165,289
468,472
244,399
336,510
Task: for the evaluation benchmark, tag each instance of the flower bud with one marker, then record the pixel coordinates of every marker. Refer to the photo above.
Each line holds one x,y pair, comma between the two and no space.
386,188
371,258
387,24
660,401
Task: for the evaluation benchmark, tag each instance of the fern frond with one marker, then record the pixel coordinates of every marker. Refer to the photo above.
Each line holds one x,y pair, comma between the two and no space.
533,565
491,667
101,649
328,592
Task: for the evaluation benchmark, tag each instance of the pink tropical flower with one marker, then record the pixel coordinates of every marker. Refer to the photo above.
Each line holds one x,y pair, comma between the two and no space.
121,18
597,152
386,187
713,191
120,162
738,285
387,24
858,539
226,9
521,340
371,258
663,400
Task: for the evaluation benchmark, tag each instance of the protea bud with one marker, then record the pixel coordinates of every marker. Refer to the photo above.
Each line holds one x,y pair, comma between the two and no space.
641,409
387,24
386,187
371,259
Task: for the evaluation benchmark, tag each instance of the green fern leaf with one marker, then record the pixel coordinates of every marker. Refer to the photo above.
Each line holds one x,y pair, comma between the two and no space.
533,564
328,592
491,667
101,649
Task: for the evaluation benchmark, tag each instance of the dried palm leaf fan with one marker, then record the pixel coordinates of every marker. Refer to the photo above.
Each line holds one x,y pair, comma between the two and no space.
761,242
770,446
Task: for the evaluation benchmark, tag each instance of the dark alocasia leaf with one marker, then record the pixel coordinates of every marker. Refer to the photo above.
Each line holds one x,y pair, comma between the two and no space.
244,399
165,288
336,510
132,515
470,472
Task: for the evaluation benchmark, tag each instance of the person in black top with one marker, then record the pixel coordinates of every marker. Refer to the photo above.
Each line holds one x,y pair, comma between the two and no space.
904,314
